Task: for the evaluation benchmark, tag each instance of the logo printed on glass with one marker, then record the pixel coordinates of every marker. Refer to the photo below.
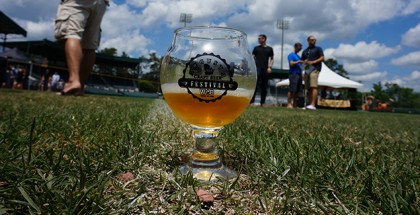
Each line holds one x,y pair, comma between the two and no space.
207,77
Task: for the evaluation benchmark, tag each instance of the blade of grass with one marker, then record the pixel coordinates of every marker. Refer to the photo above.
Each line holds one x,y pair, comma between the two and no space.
29,199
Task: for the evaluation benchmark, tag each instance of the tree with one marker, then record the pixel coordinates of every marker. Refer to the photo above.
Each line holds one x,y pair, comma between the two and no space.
379,92
402,97
109,51
399,96
337,68
150,69
153,67
125,55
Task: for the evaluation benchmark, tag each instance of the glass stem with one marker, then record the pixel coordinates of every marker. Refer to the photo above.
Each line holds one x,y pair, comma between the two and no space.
205,154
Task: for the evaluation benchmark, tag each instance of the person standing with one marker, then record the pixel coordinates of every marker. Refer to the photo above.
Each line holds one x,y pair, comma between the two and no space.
264,59
295,76
78,25
18,78
312,57
54,81
44,78
9,76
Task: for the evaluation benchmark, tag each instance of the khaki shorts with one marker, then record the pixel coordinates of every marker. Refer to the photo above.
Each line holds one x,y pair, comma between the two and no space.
312,79
80,19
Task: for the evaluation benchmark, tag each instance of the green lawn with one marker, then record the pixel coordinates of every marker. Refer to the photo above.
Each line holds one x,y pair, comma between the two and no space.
64,155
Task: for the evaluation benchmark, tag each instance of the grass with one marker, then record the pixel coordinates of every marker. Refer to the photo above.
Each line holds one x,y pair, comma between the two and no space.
64,155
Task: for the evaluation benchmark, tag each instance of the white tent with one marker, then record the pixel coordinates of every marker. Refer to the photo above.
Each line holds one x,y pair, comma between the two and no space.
328,78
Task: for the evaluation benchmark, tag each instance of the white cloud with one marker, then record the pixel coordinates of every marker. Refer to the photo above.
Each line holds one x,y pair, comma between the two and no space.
363,67
373,11
410,60
40,30
329,53
136,47
29,9
138,3
415,75
120,19
409,81
277,55
411,7
334,19
153,14
412,37
369,76
363,51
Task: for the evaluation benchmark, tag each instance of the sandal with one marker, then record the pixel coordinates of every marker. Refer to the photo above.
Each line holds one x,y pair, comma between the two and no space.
72,92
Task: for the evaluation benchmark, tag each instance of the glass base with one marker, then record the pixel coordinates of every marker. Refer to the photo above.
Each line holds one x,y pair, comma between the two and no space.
210,175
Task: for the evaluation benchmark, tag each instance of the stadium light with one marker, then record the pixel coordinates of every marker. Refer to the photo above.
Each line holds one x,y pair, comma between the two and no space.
185,18
283,25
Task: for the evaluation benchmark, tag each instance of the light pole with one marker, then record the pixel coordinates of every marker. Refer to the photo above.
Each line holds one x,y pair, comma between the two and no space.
185,18
283,25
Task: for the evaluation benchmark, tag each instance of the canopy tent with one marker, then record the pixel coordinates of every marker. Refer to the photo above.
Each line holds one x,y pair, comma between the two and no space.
8,26
328,78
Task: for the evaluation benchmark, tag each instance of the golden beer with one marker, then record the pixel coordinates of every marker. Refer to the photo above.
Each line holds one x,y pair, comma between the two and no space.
206,115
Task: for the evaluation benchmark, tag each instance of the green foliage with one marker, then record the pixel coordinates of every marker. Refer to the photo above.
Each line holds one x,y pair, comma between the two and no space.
379,92
402,97
149,86
109,51
337,68
153,65
125,55
398,96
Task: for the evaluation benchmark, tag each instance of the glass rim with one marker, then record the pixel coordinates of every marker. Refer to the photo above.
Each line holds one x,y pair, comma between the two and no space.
190,28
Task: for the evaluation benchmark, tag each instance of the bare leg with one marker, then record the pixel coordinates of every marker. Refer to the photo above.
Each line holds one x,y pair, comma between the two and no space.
74,57
289,99
314,94
86,67
294,100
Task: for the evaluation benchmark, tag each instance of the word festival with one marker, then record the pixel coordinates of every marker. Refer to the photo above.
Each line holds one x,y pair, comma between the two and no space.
217,85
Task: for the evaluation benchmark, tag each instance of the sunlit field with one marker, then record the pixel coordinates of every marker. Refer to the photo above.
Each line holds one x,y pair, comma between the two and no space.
65,155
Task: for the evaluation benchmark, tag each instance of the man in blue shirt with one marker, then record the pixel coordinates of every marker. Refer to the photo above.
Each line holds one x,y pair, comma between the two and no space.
295,76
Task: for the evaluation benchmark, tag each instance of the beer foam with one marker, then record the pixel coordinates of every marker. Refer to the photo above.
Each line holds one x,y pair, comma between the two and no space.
175,88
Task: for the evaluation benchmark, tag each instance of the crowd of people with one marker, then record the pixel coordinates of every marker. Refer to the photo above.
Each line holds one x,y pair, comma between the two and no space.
17,77
306,67
50,82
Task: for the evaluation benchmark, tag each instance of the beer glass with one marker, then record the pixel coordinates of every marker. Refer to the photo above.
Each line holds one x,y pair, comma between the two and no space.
208,77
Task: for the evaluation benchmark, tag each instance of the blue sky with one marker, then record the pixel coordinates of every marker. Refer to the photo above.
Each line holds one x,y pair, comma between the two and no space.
375,40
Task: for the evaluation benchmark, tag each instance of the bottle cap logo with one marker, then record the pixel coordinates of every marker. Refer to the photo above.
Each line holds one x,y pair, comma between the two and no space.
208,77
